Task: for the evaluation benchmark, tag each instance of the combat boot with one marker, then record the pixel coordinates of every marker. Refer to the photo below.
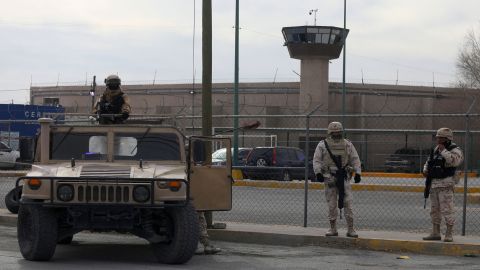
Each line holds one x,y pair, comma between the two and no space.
351,231
435,235
209,250
333,229
448,234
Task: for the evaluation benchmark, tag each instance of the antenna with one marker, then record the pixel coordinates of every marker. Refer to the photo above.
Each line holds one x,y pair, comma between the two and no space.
314,11
275,76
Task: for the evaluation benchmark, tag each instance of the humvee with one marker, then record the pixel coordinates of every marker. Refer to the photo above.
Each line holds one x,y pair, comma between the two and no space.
147,180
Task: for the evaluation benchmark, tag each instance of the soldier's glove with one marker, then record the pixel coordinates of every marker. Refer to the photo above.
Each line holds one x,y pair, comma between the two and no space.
320,178
125,116
357,178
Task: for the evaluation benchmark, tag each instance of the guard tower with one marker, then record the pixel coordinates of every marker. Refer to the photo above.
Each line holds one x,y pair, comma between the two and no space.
314,46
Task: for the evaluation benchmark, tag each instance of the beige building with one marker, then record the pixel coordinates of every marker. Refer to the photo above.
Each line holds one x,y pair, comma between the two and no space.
375,137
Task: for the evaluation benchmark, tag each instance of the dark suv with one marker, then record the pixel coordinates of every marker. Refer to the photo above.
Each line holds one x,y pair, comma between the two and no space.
409,160
280,163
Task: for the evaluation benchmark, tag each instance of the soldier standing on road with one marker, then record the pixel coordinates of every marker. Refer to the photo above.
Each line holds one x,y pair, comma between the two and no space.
447,156
327,170
113,102
208,248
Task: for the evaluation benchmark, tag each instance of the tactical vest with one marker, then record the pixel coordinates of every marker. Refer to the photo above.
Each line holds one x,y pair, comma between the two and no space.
438,169
113,107
338,148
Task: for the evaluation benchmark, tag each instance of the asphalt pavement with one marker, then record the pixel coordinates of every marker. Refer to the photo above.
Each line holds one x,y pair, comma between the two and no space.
122,252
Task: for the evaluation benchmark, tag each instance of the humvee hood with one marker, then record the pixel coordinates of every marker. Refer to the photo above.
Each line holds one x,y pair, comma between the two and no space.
110,171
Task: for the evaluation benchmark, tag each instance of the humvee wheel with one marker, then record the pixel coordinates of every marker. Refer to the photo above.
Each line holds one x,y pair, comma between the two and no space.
37,232
184,233
12,198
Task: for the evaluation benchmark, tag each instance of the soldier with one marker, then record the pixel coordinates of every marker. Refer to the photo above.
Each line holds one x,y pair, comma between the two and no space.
441,167
334,161
208,248
113,102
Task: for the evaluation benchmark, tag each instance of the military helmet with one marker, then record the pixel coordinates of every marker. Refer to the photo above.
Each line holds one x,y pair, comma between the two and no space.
335,127
445,133
113,80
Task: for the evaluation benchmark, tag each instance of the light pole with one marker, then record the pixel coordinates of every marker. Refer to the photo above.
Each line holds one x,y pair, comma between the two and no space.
235,91
314,11
344,57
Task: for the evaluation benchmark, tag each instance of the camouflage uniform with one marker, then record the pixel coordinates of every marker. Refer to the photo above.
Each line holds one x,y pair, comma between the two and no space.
204,239
113,101
324,165
442,191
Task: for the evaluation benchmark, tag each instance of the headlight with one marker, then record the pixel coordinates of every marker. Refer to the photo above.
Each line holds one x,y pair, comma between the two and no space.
141,194
65,193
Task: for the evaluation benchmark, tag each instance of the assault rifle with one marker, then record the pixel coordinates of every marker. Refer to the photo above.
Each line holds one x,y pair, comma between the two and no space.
428,179
340,176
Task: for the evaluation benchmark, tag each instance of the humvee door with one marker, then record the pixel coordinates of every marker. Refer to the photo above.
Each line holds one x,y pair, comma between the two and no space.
210,185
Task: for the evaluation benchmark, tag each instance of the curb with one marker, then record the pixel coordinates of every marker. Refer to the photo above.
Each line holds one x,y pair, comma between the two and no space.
239,235
355,187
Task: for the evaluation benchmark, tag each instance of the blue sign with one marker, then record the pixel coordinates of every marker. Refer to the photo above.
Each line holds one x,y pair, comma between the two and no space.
26,112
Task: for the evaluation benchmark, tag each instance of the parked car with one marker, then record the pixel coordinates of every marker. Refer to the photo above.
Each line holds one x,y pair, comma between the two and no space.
8,157
219,157
276,163
407,160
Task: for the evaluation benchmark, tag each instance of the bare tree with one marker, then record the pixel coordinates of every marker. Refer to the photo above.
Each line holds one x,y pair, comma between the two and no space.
468,62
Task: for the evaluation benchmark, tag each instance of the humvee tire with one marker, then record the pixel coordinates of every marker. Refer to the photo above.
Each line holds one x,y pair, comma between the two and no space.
37,232
11,199
184,232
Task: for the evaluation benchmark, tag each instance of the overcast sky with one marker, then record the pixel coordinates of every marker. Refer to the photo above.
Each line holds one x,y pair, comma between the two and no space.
69,41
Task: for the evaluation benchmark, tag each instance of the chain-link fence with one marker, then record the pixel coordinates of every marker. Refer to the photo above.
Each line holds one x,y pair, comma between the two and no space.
392,148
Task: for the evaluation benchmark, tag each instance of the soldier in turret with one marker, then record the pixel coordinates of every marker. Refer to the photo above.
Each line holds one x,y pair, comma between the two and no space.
113,107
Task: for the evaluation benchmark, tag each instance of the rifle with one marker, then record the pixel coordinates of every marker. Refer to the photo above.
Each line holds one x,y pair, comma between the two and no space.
340,175
428,179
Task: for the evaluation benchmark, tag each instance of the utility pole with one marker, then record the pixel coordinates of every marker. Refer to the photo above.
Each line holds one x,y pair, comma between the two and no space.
344,60
207,85
235,93
207,72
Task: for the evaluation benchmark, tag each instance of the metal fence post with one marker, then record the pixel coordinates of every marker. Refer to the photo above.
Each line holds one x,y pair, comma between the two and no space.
465,169
307,153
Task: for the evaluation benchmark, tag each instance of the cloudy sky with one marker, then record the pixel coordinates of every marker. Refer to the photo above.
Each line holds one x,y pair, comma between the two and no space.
67,41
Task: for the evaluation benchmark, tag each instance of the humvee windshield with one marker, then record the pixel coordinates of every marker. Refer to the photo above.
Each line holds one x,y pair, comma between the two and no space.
80,146
127,146
154,146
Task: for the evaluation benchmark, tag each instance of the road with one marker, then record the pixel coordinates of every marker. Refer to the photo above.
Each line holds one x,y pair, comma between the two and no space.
123,252
390,211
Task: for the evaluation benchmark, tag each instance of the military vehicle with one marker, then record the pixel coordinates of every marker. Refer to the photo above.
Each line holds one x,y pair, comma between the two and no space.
145,180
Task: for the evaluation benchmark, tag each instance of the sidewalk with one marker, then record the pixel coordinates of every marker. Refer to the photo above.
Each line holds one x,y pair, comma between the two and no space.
369,240
300,236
